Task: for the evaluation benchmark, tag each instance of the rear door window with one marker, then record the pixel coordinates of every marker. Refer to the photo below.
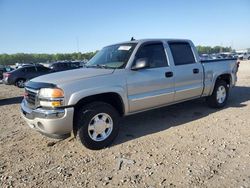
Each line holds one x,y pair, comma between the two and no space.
42,69
182,53
30,69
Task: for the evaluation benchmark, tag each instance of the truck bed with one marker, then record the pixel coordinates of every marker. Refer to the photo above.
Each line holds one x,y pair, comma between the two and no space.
215,67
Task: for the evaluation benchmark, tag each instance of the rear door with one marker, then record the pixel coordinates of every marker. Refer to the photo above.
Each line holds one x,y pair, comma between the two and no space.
152,86
30,72
188,72
42,70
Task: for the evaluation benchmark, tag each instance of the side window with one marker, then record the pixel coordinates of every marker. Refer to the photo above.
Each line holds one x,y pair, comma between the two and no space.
30,69
182,53
64,65
23,69
42,69
59,66
155,55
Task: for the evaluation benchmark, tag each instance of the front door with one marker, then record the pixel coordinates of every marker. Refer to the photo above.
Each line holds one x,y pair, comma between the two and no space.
152,86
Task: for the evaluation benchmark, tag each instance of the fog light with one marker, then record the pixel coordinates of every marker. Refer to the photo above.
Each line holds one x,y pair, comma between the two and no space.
40,125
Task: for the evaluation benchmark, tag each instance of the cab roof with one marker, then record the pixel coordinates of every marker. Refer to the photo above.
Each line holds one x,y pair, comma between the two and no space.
152,40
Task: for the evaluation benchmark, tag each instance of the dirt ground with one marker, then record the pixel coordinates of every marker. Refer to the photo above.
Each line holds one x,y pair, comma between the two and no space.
185,145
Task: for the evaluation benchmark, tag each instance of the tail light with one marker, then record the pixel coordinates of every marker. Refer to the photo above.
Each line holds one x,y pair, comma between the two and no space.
6,75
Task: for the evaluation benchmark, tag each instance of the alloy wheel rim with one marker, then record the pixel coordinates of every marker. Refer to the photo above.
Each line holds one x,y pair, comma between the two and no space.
221,94
100,127
21,83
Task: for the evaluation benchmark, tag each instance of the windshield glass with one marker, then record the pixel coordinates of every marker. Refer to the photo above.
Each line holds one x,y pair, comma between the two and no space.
115,56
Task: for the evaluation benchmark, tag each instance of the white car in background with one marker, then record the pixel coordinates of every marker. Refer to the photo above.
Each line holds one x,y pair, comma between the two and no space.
244,56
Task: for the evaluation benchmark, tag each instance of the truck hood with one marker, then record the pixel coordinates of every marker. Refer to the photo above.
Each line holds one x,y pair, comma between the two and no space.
71,75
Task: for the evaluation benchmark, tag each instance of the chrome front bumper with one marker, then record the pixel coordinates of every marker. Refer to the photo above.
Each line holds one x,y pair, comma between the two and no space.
57,123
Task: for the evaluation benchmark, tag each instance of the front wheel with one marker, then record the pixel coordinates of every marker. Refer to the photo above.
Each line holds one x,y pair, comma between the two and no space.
219,96
97,125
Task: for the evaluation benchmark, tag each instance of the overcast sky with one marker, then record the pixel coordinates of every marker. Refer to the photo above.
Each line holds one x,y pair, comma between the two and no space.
61,26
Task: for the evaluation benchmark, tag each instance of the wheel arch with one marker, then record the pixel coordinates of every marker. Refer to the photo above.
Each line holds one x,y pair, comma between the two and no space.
112,98
225,77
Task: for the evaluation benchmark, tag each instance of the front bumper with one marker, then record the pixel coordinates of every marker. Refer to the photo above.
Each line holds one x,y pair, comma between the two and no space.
57,123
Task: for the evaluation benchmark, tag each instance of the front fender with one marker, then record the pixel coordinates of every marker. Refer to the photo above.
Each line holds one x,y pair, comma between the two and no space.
77,96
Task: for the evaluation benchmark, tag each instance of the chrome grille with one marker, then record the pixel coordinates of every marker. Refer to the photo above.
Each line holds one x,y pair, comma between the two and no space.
31,97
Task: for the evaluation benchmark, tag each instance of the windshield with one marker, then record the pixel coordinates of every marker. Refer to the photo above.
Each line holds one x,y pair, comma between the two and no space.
115,56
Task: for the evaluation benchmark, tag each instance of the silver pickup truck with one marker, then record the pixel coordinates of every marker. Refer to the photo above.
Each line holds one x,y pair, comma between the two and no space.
120,80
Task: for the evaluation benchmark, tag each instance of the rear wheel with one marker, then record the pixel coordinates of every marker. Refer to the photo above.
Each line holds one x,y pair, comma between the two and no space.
20,83
219,96
97,125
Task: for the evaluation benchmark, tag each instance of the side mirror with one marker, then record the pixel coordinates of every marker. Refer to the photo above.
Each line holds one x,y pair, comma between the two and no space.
140,63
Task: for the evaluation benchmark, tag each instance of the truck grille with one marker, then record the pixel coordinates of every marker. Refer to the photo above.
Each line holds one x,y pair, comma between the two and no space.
31,96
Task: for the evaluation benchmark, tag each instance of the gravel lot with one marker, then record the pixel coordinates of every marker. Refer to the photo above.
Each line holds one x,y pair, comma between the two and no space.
184,145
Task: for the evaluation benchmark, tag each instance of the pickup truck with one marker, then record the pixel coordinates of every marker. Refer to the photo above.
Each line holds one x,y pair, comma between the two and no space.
120,80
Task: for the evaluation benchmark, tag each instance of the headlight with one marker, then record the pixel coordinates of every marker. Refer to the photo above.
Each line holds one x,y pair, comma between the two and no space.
51,97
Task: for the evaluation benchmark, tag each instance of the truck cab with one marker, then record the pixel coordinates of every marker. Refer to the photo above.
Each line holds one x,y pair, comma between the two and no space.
172,69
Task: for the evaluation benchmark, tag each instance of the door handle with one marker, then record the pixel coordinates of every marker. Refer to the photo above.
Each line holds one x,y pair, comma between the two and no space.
196,71
168,74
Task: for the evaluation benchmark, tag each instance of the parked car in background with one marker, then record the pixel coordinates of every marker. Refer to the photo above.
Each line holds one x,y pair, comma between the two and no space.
3,70
120,80
227,55
205,57
244,56
216,56
18,65
19,76
235,55
67,65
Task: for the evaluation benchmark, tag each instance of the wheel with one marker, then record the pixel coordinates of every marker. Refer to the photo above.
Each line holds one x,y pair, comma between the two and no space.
248,58
97,125
219,96
20,83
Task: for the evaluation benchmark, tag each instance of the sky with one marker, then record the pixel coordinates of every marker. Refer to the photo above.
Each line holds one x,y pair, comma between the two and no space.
65,26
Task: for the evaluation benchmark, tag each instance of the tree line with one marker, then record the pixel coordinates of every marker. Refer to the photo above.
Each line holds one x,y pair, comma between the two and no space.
213,50
11,59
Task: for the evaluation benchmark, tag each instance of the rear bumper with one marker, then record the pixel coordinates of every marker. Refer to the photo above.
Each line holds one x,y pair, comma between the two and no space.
8,81
56,123
5,81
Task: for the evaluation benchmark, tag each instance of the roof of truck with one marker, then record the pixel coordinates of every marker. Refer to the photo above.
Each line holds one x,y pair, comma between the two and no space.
152,39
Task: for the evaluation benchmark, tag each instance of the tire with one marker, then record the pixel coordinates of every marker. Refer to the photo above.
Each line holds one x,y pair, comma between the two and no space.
20,83
89,121
218,99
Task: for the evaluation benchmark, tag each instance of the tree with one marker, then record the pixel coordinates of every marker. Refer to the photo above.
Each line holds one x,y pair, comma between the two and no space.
211,50
11,59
